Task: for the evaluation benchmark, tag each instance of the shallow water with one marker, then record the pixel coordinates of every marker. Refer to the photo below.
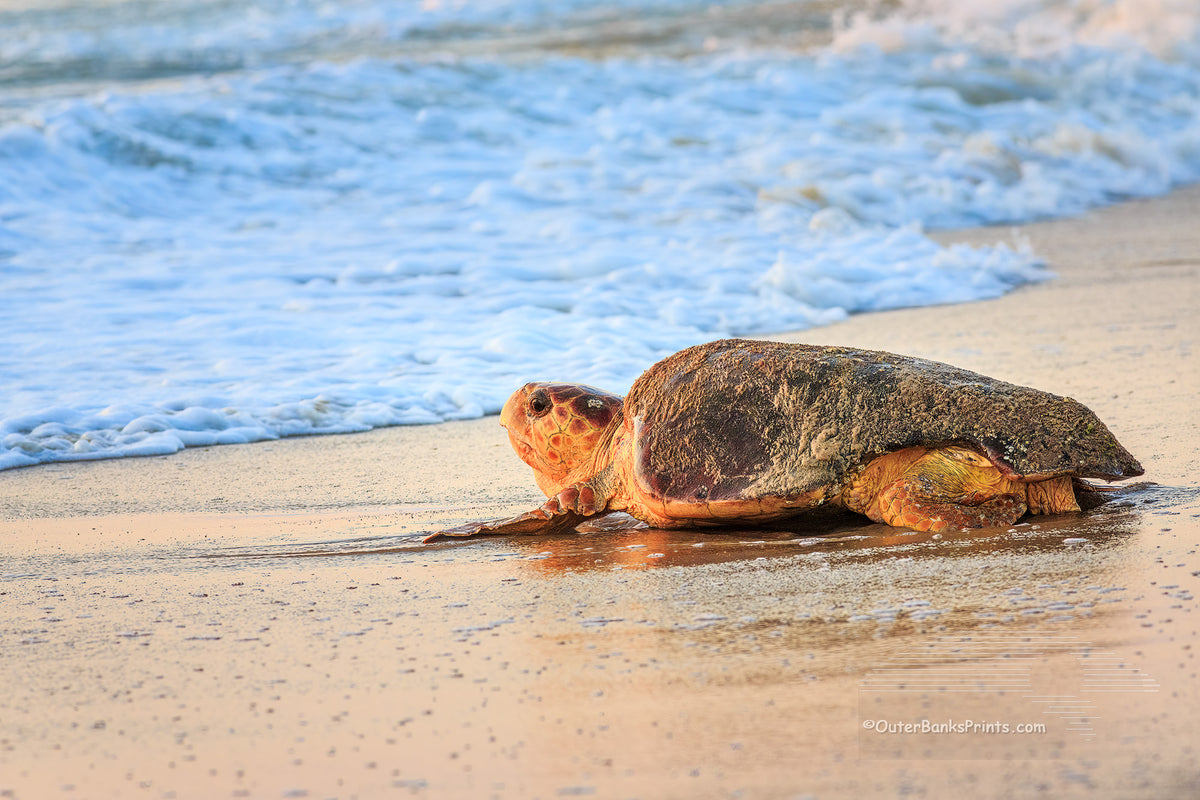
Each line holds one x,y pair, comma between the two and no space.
225,222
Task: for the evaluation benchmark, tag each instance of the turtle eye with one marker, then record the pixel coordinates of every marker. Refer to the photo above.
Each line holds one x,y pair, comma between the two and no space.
539,404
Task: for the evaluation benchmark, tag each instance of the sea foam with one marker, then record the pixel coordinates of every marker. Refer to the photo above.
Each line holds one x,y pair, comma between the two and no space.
301,243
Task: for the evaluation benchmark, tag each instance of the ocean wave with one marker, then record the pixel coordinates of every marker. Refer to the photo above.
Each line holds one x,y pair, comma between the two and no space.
337,245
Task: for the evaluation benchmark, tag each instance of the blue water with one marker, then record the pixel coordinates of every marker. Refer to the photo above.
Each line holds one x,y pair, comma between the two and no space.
226,222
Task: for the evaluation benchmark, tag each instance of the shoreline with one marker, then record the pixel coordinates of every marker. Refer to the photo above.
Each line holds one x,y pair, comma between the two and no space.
1010,337
261,620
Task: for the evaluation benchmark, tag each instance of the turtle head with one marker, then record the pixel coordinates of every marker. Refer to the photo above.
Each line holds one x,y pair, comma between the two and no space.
557,428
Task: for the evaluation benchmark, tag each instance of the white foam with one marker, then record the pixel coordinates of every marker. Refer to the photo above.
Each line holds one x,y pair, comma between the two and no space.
336,246
1028,28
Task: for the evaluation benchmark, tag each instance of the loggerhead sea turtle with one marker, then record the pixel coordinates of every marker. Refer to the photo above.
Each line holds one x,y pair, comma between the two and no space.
739,431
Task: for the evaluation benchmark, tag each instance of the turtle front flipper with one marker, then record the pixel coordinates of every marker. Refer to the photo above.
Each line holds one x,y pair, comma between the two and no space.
531,522
559,514
949,488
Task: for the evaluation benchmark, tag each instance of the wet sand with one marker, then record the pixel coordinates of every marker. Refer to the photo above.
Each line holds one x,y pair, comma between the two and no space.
262,621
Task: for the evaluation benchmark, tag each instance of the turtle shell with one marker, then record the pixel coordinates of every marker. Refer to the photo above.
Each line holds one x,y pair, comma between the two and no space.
738,419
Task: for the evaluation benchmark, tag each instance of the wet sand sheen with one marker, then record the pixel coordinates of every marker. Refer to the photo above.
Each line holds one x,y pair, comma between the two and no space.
261,621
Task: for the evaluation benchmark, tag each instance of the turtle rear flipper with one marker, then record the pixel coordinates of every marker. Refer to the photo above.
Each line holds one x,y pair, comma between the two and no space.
903,505
950,488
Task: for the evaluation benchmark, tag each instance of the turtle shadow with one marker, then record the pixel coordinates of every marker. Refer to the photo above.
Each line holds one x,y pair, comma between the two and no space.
837,521
819,522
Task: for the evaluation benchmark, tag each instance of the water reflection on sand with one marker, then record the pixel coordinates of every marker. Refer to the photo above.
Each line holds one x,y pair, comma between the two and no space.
197,658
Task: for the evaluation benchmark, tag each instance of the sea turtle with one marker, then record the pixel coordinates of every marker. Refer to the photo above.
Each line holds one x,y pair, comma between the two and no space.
739,431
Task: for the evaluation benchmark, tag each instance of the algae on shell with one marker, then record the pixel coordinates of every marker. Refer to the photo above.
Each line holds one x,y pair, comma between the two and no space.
736,419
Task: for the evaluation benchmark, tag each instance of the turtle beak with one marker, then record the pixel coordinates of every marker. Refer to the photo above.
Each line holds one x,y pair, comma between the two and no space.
512,407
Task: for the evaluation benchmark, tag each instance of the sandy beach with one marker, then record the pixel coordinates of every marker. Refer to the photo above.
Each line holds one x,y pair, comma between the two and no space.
263,621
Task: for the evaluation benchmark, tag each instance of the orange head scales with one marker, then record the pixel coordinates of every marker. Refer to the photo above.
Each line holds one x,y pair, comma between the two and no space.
561,430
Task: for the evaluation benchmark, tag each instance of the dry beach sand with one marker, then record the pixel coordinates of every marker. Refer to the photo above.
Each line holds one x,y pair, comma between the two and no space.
262,621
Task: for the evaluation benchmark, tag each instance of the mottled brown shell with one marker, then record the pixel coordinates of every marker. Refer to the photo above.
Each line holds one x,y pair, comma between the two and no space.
737,419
